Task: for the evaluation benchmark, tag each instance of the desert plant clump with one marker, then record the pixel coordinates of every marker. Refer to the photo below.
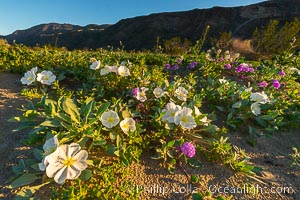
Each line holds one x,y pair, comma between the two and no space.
85,136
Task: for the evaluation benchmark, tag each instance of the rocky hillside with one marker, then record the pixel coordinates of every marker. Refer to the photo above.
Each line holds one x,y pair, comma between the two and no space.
142,32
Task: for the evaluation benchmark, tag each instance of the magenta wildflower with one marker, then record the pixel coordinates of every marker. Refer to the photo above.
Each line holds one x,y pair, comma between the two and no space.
179,60
276,84
134,91
168,66
282,73
227,66
263,84
251,69
175,67
192,65
188,149
239,69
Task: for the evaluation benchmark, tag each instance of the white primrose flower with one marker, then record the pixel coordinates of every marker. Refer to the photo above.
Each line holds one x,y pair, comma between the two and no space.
123,71
170,110
109,119
237,105
158,92
28,78
261,98
105,70
128,124
255,108
50,146
185,119
95,65
181,93
141,94
46,77
67,162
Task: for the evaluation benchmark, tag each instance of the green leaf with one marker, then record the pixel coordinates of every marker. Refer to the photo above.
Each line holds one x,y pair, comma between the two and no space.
29,192
85,175
51,123
261,122
103,108
197,196
25,179
171,143
70,107
266,117
20,168
87,109
99,142
193,162
194,179
14,119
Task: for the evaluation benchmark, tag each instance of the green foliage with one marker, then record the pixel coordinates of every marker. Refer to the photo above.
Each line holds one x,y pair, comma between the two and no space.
175,46
295,157
215,100
273,39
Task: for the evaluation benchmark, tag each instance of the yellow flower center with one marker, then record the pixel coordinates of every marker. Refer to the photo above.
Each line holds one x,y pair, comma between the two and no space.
126,126
110,119
184,119
46,78
68,162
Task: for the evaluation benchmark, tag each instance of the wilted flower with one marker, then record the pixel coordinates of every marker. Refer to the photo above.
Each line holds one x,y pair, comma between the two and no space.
181,93
46,77
123,71
170,110
185,119
158,92
49,147
188,149
29,77
255,108
258,97
110,119
263,84
95,65
67,162
276,84
128,124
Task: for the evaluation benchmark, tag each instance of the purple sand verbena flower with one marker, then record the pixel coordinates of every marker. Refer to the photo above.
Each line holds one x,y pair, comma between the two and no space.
188,149
179,60
276,84
168,66
134,91
239,69
282,73
263,84
251,69
227,66
175,67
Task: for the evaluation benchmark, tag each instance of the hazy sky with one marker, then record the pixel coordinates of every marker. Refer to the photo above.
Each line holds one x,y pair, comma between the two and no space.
23,14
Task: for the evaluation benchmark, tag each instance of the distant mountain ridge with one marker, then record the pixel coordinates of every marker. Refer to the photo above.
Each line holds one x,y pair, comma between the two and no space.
142,32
